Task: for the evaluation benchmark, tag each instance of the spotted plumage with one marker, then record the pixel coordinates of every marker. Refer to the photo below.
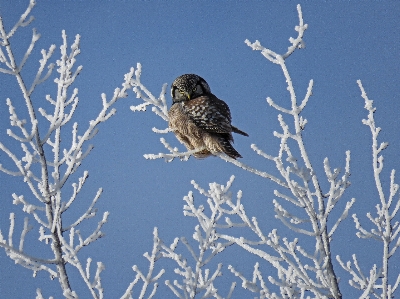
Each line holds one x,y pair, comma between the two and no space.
199,119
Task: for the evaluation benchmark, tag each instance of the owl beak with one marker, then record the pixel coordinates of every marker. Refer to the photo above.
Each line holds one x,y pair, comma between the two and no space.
187,95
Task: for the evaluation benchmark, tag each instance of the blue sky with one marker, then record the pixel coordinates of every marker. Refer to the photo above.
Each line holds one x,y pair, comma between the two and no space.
345,41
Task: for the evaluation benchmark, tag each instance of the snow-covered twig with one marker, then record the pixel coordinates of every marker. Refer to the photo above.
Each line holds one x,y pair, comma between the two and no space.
198,280
301,178
295,275
47,164
174,153
386,228
149,278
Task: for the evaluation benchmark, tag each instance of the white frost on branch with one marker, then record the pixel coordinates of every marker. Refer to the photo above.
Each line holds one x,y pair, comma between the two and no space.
386,227
148,279
198,280
302,181
297,43
47,164
159,104
299,272
40,296
174,153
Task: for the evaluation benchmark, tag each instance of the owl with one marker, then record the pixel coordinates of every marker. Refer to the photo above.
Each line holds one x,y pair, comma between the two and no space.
199,119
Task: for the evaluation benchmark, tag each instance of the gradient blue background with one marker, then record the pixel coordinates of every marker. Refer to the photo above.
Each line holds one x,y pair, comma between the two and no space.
345,41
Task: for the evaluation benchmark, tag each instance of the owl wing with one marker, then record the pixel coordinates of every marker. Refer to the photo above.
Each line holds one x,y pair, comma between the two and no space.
209,113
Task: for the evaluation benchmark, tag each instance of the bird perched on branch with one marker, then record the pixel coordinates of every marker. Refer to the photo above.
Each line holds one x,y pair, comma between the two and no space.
199,119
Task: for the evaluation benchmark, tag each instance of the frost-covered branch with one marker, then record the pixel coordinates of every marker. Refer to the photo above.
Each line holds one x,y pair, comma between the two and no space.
293,263
40,296
296,43
47,163
300,176
148,279
159,104
199,280
19,256
174,153
386,227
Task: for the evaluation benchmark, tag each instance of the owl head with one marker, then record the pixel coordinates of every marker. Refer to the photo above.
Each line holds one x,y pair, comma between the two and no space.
187,87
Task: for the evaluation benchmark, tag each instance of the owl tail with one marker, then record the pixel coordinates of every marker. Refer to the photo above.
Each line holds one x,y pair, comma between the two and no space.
228,148
236,130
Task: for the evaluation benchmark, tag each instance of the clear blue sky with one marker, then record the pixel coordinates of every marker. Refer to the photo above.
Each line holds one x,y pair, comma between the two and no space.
345,41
